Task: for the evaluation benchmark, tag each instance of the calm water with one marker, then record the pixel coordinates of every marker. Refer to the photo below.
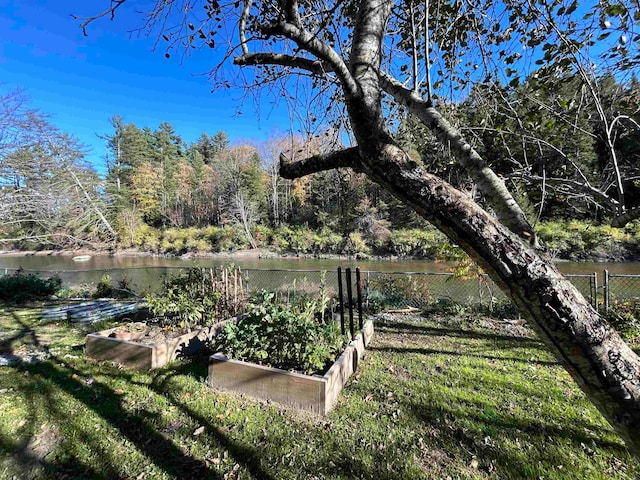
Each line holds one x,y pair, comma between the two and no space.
104,262
140,276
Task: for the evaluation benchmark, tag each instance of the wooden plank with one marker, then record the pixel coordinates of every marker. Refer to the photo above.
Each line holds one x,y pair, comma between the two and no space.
118,350
288,388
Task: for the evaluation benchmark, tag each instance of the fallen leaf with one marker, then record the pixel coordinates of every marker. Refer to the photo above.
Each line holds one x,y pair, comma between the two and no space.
198,431
368,397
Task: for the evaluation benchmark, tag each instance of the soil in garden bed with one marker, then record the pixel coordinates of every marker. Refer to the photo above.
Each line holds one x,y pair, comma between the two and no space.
147,334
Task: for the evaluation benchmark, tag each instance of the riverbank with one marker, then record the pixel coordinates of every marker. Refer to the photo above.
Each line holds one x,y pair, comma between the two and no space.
563,240
256,253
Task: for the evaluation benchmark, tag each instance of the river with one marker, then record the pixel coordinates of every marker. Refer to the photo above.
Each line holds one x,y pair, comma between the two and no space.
146,273
107,262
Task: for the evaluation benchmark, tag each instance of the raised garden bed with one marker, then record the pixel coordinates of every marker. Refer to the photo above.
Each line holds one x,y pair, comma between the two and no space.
133,348
312,393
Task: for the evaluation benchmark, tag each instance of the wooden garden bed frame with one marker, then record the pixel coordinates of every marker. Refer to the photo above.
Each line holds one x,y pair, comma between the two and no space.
127,352
312,393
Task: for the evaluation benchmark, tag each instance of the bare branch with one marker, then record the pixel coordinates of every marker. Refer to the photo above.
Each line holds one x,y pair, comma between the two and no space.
243,25
111,11
347,158
567,185
312,44
492,187
313,66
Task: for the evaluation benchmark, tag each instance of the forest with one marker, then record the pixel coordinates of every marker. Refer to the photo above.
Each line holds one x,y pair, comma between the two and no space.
163,195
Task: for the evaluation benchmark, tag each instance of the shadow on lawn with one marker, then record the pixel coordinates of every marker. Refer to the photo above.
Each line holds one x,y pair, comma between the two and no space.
41,380
43,377
510,459
338,461
460,353
460,332
498,341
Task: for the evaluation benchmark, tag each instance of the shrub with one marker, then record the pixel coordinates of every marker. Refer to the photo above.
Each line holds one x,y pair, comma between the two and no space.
232,237
398,291
422,243
283,337
327,241
356,245
197,296
104,287
21,287
625,318
579,240
261,235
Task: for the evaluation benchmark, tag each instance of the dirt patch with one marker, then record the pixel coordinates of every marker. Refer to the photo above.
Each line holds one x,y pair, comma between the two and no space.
146,334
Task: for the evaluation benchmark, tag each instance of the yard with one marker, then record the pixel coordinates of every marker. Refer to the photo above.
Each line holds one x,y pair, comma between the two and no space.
439,396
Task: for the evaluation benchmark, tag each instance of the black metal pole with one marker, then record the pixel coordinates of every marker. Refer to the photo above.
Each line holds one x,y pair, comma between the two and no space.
341,299
359,292
350,298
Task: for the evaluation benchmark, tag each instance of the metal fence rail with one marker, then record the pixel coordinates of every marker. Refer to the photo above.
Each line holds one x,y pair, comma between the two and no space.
380,289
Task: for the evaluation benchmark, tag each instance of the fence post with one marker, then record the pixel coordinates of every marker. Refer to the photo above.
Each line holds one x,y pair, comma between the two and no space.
359,292
605,290
341,299
350,299
595,291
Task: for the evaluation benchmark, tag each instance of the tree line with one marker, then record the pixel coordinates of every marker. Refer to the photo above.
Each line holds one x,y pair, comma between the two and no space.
165,195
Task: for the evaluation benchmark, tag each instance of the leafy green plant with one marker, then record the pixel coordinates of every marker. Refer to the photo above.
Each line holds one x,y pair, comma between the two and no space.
281,336
66,292
309,295
198,296
625,318
104,287
21,287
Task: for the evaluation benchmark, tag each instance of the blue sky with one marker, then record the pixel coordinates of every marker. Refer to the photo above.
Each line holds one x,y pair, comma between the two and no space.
83,81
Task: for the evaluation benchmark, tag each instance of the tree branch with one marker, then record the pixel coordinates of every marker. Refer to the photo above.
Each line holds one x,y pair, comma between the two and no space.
312,44
628,216
347,158
111,11
567,185
313,66
242,25
491,186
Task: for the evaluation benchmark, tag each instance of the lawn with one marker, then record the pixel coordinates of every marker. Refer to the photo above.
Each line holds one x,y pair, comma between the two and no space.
436,397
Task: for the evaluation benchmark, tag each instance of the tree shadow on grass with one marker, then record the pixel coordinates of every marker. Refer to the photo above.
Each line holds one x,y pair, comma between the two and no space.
410,328
498,341
107,404
337,462
459,353
495,439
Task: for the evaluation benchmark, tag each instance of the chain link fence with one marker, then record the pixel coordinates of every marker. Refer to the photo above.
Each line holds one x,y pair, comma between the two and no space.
390,290
619,288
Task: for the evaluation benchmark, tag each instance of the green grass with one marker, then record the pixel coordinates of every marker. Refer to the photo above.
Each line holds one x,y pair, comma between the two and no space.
434,398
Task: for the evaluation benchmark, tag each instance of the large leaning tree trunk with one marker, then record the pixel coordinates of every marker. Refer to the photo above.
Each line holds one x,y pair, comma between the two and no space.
606,369
296,38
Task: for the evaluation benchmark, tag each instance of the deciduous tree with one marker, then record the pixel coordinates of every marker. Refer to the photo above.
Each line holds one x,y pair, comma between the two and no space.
348,53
